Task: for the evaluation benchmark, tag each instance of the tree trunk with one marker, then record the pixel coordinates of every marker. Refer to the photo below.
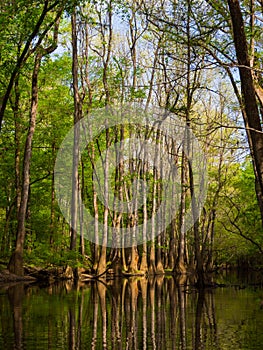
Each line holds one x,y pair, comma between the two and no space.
144,264
180,267
16,261
107,43
253,124
96,219
152,263
133,267
160,175
52,211
77,117
18,130
103,254
81,240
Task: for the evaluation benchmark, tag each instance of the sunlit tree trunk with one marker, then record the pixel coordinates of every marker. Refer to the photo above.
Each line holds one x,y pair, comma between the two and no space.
152,267
103,253
106,55
81,218
156,177
95,248
77,117
173,230
132,195
144,263
118,196
180,264
87,100
161,224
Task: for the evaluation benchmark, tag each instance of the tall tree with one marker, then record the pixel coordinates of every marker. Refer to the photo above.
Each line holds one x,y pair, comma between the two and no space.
16,261
253,122
77,117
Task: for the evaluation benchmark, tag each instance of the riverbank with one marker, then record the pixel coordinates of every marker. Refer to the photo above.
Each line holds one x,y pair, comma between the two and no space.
52,274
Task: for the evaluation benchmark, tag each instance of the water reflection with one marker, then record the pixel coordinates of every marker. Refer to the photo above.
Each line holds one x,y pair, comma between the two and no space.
134,313
15,295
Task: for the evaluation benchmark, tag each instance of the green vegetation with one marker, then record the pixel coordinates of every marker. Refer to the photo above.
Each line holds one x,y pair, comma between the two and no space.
61,61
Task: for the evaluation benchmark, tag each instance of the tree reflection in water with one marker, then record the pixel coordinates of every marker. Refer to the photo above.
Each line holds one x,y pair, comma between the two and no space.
136,313
140,313
15,295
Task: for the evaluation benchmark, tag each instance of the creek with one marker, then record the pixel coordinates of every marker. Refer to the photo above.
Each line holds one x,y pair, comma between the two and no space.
134,313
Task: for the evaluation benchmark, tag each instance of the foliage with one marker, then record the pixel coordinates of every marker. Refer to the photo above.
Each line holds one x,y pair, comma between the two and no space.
179,56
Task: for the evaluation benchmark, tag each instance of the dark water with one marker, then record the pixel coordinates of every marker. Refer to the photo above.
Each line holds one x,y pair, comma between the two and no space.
133,314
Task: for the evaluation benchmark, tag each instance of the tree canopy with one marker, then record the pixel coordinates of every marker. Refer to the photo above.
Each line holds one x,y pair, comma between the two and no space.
61,62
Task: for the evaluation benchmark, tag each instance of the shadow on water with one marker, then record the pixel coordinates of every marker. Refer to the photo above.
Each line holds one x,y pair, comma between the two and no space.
134,313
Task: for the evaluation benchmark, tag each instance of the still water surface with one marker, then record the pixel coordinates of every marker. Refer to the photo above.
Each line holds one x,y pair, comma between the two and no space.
137,313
